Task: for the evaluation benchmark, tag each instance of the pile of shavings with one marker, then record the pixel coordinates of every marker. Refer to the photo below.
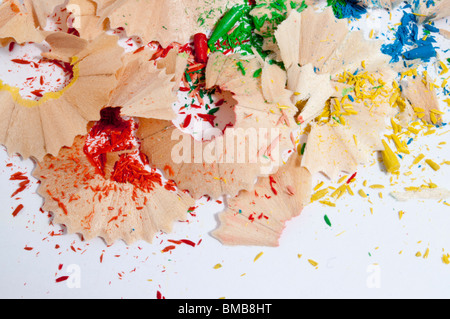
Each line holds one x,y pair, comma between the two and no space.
426,120
410,43
243,31
241,37
274,13
362,86
198,108
100,181
265,17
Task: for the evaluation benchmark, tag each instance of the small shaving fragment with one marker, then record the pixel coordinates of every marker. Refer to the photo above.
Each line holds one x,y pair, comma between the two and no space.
422,193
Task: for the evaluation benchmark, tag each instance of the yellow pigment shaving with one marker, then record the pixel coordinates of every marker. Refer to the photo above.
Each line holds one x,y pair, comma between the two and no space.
362,193
313,263
318,195
328,203
390,159
433,165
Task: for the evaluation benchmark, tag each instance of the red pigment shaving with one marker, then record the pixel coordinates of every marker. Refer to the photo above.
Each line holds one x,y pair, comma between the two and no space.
20,61
162,52
111,134
272,181
182,241
187,121
38,93
159,295
19,176
170,185
17,210
201,47
210,118
36,84
351,178
22,186
168,248
129,169
66,67
194,82
14,8
61,279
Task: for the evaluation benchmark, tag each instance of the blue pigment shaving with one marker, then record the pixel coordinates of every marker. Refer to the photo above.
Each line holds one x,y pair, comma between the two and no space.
417,3
408,45
349,9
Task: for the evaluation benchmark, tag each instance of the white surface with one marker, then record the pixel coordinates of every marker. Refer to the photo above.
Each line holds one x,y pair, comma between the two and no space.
362,255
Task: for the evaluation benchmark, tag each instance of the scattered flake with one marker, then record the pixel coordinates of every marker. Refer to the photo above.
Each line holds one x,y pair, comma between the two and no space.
319,194
362,193
258,256
446,259
390,160
422,193
427,252
327,203
327,220
432,164
17,210
313,263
